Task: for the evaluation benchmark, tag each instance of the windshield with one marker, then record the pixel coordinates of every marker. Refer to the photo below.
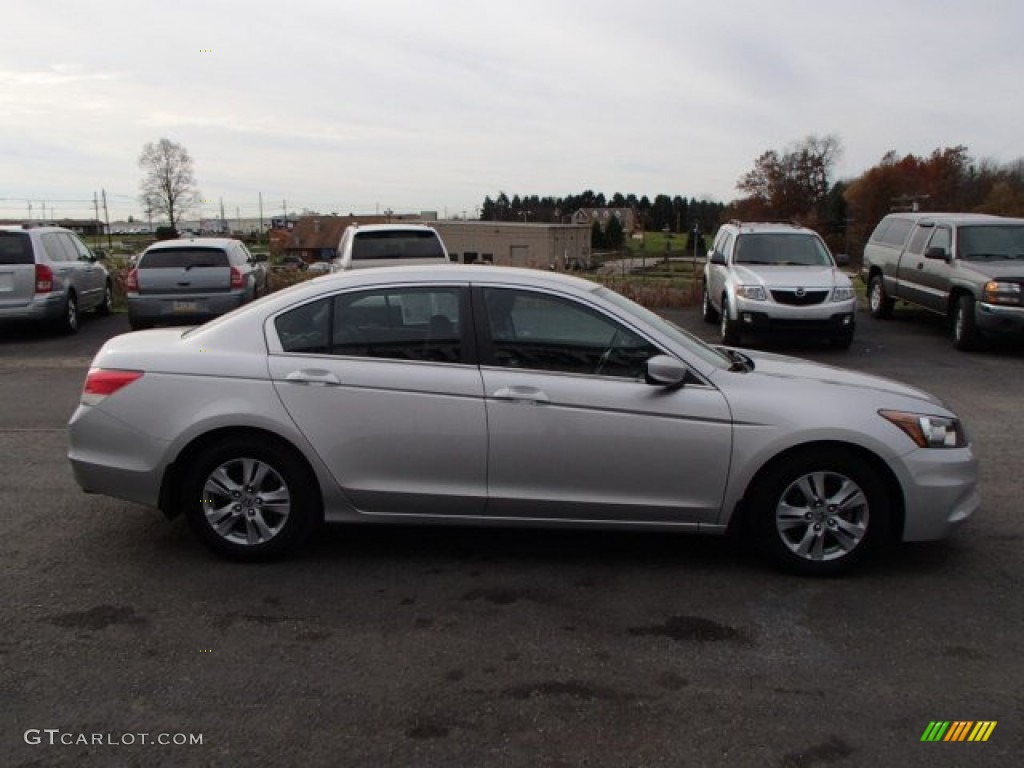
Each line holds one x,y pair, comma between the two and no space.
782,250
684,338
1003,241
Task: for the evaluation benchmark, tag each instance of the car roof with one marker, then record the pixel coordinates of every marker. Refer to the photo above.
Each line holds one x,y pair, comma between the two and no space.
388,227
29,227
769,227
192,242
955,218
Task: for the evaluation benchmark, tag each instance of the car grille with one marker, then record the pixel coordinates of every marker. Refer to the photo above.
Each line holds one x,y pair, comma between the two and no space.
799,299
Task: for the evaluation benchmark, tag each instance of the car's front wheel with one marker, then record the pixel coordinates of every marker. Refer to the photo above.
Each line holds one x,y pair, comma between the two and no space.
879,302
707,308
727,329
819,513
68,322
965,330
250,501
107,302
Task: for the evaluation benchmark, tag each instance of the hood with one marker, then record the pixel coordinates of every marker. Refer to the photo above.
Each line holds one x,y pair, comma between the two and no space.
773,366
789,277
994,269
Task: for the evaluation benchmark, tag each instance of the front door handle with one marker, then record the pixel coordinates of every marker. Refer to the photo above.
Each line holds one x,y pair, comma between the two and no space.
525,395
314,376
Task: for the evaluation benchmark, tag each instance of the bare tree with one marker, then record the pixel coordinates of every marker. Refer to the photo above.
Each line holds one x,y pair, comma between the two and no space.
796,182
168,184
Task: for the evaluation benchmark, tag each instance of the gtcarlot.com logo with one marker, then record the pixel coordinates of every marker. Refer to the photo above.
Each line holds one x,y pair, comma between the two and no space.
958,730
55,737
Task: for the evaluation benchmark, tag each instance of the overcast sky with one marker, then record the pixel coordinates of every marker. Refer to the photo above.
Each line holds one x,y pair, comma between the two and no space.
414,105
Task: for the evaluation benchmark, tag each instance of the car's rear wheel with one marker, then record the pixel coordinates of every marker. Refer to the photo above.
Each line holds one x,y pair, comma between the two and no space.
965,330
728,331
819,513
250,501
879,302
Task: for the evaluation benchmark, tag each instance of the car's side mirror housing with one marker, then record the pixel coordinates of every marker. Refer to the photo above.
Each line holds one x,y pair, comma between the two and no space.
937,253
716,258
842,260
665,371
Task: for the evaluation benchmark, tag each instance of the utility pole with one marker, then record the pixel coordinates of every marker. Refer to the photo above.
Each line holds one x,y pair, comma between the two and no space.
223,223
30,210
106,216
96,210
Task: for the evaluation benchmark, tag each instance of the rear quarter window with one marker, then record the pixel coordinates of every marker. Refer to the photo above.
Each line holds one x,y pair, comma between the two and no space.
178,258
892,232
15,248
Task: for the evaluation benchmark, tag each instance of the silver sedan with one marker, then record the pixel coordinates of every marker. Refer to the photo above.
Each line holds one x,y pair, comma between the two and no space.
495,396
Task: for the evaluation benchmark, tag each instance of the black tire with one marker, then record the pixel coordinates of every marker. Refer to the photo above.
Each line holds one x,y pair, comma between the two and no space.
879,302
819,513
965,330
256,517
68,322
728,331
106,306
842,340
707,308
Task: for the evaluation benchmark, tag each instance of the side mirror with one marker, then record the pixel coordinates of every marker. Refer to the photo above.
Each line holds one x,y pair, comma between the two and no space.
937,253
842,260
716,258
665,371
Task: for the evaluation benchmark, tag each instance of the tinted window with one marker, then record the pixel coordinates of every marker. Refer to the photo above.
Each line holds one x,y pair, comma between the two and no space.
1004,241
781,249
399,324
15,248
396,245
77,247
168,258
538,331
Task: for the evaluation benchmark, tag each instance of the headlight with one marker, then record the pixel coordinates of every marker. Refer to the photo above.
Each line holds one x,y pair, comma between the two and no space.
928,431
999,292
752,292
842,294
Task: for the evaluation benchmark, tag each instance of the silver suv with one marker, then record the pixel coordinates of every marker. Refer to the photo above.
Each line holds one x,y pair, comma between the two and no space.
191,281
48,274
769,278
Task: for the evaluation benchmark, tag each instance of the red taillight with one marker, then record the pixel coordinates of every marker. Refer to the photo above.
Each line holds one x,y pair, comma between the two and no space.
101,383
237,279
44,279
131,283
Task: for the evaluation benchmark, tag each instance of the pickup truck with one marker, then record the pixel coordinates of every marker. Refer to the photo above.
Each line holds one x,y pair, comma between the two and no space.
967,267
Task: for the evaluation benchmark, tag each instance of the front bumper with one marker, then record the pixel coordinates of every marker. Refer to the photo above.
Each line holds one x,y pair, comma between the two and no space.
997,319
940,491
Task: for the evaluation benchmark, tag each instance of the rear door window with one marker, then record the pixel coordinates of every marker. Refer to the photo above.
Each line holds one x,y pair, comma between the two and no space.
15,248
57,247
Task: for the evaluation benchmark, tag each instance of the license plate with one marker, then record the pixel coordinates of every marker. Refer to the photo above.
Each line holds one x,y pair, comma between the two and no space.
184,306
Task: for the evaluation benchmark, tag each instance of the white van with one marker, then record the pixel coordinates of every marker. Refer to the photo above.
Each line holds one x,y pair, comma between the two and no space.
387,245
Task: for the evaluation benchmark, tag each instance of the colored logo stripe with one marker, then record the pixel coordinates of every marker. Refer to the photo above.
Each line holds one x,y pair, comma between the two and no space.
958,730
935,731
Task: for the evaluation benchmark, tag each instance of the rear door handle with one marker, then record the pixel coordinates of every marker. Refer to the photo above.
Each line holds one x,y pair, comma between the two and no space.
313,376
525,395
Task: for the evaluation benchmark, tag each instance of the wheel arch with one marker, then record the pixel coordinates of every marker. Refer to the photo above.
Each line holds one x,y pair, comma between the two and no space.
740,523
170,486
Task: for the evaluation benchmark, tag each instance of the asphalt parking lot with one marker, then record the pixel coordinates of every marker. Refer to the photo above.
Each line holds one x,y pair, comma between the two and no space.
457,647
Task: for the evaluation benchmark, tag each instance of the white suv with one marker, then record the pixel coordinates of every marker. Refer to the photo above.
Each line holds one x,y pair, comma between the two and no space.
48,274
770,278
386,245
